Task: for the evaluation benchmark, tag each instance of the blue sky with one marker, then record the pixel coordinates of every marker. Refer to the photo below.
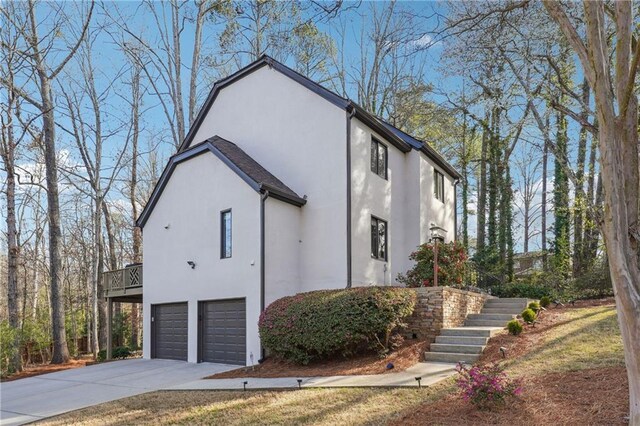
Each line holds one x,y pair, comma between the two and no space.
109,61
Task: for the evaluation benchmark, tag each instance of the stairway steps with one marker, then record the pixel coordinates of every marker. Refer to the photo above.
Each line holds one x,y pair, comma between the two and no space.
507,300
458,349
501,311
469,331
485,323
512,307
450,357
462,340
487,316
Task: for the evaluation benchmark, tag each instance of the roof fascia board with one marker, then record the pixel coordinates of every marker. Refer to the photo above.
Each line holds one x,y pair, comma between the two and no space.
254,66
193,152
441,162
279,195
371,121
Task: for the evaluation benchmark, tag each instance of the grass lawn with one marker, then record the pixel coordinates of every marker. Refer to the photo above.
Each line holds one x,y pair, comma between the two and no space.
585,340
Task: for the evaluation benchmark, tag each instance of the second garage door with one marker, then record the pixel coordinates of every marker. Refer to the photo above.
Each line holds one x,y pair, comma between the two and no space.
223,331
169,331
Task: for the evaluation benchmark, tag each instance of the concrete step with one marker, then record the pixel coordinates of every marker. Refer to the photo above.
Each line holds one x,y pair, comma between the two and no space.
462,340
450,357
485,323
501,311
487,316
507,300
458,349
470,331
512,307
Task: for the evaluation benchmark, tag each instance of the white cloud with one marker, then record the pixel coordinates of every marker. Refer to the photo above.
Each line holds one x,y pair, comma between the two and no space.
425,41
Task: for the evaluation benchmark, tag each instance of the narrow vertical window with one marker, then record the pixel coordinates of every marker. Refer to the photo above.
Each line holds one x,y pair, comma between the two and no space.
225,234
378,158
378,238
438,185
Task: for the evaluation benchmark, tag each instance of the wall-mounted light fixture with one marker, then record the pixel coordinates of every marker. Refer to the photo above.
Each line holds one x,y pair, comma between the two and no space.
167,226
192,264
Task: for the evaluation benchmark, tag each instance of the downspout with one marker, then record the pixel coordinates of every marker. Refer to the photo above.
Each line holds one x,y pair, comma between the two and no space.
263,199
455,209
350,114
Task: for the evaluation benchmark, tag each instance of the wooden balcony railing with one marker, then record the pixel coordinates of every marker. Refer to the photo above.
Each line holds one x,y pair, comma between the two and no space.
121,282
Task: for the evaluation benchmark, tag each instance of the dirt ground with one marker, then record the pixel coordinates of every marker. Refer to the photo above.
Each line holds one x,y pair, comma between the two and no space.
406,356
38,369
585,397
597,396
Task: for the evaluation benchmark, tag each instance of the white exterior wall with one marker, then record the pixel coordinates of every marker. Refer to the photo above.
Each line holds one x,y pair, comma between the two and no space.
197,192
301,138
383,198
432,210
282,250
405,200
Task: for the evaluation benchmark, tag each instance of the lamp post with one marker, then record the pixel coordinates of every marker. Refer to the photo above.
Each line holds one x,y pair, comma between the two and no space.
437,234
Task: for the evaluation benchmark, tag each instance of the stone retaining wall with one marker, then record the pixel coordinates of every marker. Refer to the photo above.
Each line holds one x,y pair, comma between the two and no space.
441,307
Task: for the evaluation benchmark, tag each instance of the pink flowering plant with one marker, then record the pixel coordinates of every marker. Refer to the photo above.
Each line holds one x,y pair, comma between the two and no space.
452,261
486,386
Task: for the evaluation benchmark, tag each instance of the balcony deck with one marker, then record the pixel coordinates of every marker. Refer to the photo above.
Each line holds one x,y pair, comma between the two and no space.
123,284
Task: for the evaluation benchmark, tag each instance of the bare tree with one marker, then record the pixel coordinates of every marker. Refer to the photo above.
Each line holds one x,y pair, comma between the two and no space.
89,136
38,52
8,145
613,86
528,188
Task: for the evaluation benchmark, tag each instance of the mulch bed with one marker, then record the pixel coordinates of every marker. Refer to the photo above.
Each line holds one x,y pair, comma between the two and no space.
38,369
410,353
593,397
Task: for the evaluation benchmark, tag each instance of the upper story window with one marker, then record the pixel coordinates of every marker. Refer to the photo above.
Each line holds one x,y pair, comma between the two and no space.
225,234
378,158
438,185
378,238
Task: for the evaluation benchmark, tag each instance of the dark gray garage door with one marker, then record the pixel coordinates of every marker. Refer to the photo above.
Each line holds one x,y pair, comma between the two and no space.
169,331
223,331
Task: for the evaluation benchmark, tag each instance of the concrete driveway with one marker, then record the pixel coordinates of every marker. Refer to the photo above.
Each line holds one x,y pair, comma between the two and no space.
34,398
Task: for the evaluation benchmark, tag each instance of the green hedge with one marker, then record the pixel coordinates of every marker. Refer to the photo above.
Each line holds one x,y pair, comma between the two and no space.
525,290
321,324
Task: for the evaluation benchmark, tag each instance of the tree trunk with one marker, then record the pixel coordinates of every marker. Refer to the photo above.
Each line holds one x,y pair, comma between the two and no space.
543,202
60,350
13,255
618,138
579,203
482,189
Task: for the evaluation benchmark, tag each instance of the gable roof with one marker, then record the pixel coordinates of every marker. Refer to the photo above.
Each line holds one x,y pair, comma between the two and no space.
256,176
401,140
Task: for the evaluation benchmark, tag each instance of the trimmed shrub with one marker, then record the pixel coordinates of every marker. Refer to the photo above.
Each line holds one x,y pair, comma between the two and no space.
545,301
534,306
520,289
528,316
452,261
119,352
514,327
325,323
486,386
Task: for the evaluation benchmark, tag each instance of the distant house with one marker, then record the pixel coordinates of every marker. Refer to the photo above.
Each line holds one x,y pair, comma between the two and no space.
280,187
528,263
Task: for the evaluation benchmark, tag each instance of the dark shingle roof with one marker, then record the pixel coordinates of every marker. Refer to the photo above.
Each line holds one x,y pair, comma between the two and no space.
256,176
398,138
251,167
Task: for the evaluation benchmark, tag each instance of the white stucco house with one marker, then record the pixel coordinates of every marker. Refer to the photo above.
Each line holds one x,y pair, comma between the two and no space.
280,187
